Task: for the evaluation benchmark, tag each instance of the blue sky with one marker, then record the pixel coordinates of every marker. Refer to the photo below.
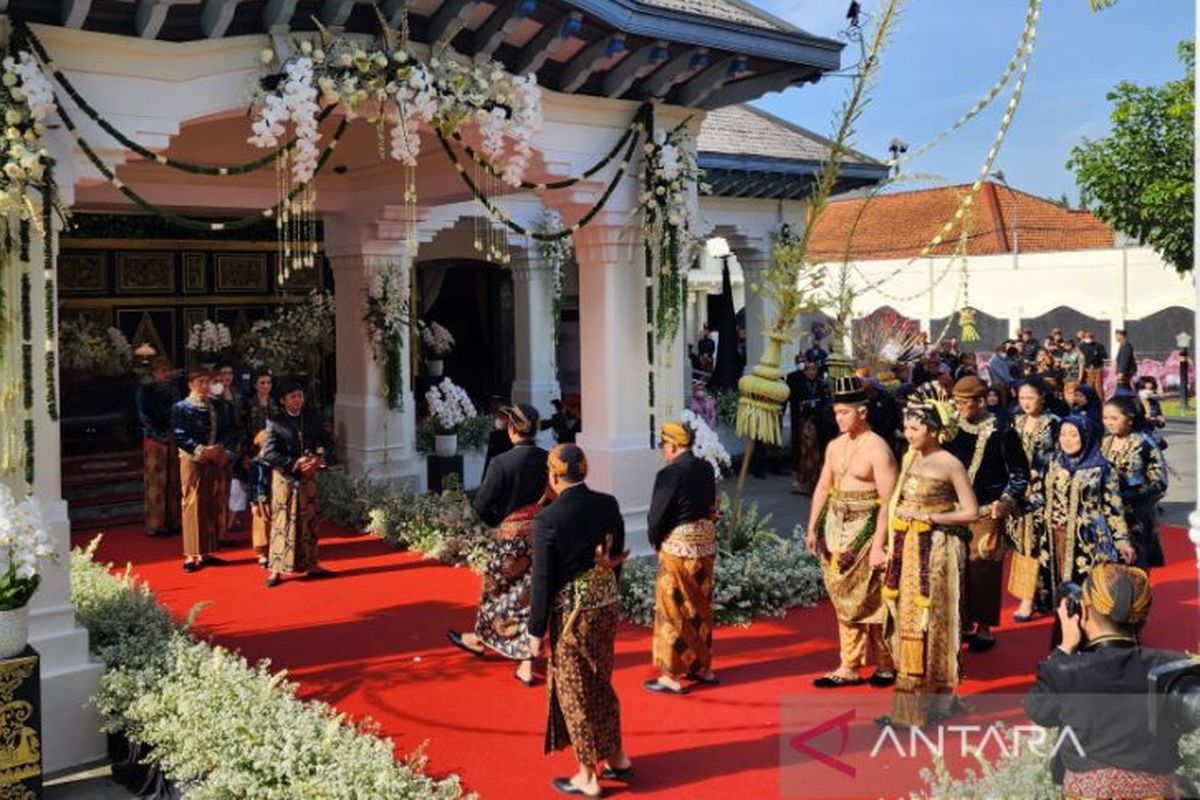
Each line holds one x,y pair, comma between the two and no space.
946,53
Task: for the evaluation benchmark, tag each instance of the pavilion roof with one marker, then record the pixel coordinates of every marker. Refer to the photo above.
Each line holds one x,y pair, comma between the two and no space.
746,152
696,53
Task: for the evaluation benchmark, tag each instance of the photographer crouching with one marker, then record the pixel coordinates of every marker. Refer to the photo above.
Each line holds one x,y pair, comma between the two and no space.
1123,749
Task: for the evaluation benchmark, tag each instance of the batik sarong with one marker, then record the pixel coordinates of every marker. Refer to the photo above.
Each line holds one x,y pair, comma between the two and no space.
683,608
845,530
502,622
199,510
260,531
806,455
584,710
162,497
923,588
293,545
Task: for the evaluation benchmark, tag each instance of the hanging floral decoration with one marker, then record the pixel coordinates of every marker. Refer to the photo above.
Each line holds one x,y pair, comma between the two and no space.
670,178
386,314
555,255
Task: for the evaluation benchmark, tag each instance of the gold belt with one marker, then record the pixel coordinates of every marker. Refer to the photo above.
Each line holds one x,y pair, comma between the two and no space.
846,503
696,539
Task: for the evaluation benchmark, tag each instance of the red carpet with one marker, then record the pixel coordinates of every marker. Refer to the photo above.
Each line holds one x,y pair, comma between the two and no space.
372,642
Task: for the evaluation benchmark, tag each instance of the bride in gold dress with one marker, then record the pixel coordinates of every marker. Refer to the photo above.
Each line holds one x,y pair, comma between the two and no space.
926,559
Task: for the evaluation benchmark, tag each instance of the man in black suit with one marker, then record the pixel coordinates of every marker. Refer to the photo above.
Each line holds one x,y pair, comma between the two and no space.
1126,362
578,544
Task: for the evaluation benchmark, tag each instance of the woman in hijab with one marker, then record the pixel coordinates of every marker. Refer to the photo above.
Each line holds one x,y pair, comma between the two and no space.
1142,474
1083,519
1084,400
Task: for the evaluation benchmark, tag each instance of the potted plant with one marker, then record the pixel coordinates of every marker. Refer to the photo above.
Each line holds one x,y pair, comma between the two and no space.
23,544
438,343
209,341
449,407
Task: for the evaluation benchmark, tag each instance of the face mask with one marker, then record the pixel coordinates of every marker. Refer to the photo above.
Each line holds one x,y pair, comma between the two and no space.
1145,392
501,424
216,389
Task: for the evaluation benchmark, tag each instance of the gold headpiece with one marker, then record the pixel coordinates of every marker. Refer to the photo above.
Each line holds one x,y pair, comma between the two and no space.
675,433
568,461
930,404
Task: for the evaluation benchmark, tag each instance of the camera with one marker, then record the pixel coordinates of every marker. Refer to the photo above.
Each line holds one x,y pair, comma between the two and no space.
1175,695
1073,594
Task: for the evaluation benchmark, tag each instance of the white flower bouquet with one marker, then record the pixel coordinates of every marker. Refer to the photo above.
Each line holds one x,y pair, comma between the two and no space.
449,406
705,444
209,338
23,545
437,341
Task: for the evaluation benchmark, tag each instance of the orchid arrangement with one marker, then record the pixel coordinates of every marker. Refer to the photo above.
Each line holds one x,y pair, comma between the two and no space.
449,406
400,94
85,344
24,544
702,404
26,102
705,444
436,340
670,227
209,337
387,318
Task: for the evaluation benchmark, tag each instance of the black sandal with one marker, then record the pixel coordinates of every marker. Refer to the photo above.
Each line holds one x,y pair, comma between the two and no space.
713,681
881,679
661,688
565,786
610,773
456,639
834,681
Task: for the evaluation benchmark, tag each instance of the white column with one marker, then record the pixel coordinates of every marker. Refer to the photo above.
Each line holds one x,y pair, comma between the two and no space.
370,437
755,261
616,433
70,726
536,379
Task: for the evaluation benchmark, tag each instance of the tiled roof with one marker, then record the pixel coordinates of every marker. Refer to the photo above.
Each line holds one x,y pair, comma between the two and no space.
730,10
746,131
896,226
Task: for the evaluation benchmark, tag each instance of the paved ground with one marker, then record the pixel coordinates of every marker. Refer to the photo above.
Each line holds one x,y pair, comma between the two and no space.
774,497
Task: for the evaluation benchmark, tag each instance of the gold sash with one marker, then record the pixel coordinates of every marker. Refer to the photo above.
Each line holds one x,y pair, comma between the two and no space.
696,539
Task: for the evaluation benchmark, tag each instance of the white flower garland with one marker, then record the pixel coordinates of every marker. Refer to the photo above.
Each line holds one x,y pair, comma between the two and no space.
705,443
556,253
449,406
28,100
405,94
670,226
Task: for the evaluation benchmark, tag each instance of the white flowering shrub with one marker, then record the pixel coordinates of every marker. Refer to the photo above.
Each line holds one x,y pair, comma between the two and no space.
437,341
217,726
85,344
449,406
758,574
705,444
295,339
23,546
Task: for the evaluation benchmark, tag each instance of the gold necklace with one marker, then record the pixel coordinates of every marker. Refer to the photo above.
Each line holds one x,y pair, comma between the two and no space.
848,458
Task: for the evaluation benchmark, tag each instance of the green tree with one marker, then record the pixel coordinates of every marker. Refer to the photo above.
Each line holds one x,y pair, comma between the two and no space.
1139,178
